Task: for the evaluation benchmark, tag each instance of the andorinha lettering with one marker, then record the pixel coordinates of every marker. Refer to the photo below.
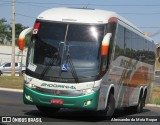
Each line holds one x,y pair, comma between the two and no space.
58,86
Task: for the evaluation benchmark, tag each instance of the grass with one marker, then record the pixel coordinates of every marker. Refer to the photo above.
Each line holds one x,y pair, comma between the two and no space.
157,65
11,82
155,99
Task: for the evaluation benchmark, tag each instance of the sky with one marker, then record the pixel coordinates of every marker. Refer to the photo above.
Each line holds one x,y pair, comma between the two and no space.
145,14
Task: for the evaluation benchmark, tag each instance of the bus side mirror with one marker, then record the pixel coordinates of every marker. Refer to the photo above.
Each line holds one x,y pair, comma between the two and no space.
21,39
104,50
105,44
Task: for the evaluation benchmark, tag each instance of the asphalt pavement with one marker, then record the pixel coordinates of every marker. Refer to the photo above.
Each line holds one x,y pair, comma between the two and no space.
11,104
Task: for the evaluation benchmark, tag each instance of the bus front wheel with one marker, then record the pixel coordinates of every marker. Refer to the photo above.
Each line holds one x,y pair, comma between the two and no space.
47,110
108,112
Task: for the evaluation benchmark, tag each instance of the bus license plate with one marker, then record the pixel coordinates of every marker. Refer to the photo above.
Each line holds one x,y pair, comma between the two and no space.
57,101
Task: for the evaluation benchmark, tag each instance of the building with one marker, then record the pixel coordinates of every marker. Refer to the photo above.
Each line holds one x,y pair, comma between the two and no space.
6,52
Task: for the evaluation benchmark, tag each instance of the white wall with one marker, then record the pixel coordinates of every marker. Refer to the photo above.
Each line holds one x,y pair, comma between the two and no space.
5,54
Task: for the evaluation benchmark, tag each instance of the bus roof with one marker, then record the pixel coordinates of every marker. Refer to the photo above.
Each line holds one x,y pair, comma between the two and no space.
80,15
83,15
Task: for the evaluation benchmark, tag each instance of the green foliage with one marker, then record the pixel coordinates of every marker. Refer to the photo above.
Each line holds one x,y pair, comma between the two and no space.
6,31
18,29
155,95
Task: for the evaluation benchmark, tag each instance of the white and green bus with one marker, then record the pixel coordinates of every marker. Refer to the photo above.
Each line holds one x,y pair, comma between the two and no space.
87,59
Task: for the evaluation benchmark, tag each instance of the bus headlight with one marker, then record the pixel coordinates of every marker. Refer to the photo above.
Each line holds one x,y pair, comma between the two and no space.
87,91
30,85
90,90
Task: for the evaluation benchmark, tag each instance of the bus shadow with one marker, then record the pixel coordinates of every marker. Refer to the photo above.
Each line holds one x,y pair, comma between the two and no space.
79,115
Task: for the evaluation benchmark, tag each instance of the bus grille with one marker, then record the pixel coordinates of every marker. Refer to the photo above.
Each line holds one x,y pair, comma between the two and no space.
58,92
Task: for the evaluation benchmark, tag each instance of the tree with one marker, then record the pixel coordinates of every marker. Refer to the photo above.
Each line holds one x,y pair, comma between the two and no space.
4,30
19,28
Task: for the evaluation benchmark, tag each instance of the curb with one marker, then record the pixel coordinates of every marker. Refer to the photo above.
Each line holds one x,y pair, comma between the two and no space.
11,90
152,105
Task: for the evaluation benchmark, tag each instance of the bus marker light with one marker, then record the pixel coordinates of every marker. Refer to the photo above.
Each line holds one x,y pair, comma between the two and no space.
112,19
36,27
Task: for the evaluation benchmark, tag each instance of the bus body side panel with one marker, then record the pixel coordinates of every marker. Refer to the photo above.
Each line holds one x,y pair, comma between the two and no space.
103,95
129,71
126,71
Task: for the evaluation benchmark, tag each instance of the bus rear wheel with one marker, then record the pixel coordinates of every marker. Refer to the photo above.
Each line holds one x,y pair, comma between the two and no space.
47,110
139,107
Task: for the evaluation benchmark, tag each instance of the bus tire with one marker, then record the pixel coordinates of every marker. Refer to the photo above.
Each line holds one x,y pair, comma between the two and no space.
108,112
139,107
47,110
144,98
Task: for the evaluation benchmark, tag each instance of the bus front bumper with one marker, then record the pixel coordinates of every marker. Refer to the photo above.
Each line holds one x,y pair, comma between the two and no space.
87,102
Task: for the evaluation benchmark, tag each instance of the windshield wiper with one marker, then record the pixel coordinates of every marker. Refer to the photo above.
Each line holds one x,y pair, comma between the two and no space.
70,62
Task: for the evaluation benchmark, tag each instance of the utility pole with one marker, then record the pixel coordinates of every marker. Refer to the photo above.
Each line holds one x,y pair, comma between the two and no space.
13,38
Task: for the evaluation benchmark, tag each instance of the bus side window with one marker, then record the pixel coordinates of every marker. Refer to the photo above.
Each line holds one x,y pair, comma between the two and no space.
119,47
128,43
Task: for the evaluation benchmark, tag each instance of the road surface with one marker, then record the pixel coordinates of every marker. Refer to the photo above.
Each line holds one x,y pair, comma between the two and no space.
11,104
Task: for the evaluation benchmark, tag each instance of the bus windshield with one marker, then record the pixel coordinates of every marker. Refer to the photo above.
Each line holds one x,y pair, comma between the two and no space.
56,49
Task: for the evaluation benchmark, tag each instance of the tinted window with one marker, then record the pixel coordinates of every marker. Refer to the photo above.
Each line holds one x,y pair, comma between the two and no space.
119,50
7,65
85,33
76,46
51,32
128,43
132,45
16,64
